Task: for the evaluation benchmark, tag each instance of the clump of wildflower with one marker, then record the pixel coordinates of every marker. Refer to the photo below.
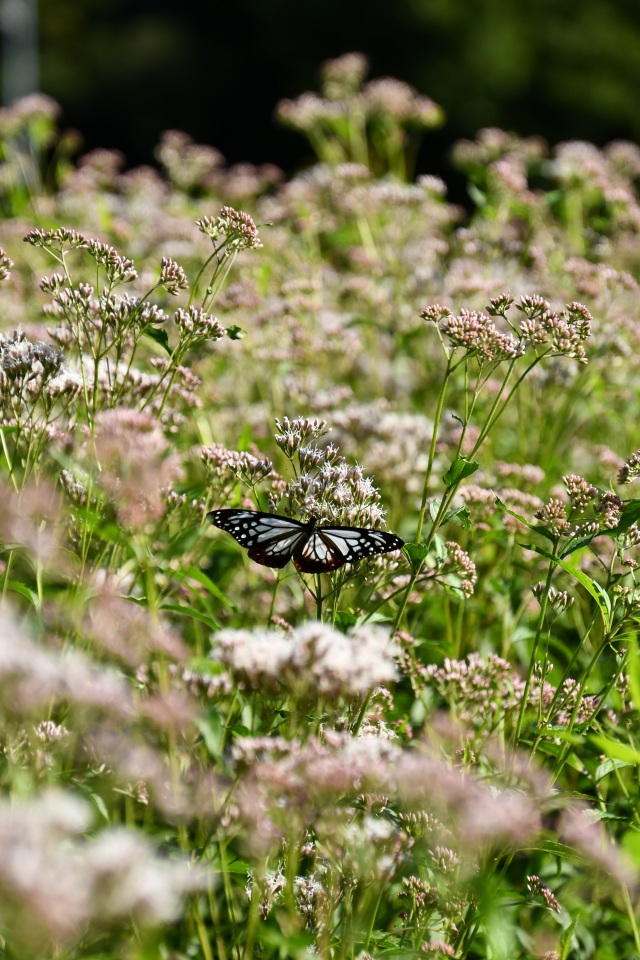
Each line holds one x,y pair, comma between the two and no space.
312,658
609,510
630,469
499,306
559,600
536,886
460,564
57,240
191,166
32,520
118,268
477,333
31,676
195,326
237,229
437,948
420,894
343,75
55,884
5,265
135,464
172,277
293,433
325,485
481,686
241,465
434,313
580,491
553,515
268,886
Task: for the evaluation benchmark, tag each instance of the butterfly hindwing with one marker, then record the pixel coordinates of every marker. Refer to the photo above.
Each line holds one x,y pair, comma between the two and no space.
273,540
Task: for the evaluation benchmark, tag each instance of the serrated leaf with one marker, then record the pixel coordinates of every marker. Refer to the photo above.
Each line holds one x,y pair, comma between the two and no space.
461,516
159,336
460,469
24,591
415,552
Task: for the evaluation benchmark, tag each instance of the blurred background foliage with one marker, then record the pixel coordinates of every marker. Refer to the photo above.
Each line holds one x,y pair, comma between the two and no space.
125,70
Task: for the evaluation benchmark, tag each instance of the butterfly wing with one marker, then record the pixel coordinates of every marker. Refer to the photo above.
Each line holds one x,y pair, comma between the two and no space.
328,548
269,538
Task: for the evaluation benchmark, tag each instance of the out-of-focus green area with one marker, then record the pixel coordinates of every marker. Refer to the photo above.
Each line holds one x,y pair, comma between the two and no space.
124,70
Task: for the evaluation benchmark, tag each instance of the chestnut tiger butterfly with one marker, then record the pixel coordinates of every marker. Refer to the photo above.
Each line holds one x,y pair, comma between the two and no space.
273,540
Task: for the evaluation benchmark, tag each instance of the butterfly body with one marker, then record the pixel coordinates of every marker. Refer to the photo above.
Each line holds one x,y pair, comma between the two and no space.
273,540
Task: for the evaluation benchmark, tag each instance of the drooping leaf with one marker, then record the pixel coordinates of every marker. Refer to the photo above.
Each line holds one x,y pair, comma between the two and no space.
158,335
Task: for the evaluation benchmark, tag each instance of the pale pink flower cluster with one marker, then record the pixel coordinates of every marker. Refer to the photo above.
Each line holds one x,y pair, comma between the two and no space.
313,658
55,885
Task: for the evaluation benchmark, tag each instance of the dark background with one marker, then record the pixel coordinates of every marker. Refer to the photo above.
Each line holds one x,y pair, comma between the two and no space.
125,70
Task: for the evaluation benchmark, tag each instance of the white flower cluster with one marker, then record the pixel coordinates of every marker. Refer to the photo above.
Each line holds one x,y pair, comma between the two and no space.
314,657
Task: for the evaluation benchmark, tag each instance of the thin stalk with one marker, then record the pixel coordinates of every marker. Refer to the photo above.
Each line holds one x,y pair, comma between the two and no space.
632,915
432,450
568,747
532,661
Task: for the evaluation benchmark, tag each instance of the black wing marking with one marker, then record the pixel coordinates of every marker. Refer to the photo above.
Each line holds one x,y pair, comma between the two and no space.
273,540
328,548
269,538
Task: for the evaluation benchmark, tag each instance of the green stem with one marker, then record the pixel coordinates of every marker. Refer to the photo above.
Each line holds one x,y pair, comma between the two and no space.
319,598
432,450
532,660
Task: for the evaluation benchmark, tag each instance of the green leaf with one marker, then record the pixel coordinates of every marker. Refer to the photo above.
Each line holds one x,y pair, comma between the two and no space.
630,515
236,333
591,586
460,469
433,507
159,335
345,619
416,553
576,543
565,939
100,806
461,516
24,591
616,750
245,439
211,731
631,845
194,573
211,622
531,526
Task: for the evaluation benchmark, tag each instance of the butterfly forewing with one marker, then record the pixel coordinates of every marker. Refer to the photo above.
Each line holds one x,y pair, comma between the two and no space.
269,538
273,540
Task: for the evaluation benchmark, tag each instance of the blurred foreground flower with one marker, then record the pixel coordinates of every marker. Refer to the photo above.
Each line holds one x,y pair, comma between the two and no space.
57,887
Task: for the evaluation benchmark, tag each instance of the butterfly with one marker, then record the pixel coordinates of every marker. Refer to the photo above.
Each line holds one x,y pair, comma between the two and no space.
274,540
